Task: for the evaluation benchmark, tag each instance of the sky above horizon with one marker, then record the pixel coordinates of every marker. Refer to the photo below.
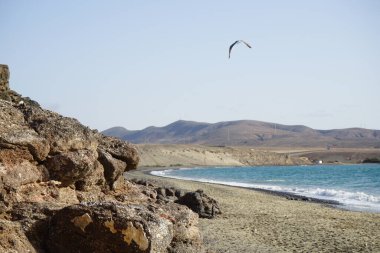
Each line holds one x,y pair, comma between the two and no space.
149,63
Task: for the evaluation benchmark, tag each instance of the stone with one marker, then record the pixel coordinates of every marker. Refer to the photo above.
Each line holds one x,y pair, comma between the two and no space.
108,227
186,235
94,181
62,133
170,192
120,150
161,191
113,168
17,174
143,182
15,134
199,202
34,218
70,167
13,238
50,193
179,193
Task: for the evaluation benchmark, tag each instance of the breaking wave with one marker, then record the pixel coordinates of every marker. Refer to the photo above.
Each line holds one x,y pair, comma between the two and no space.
353,200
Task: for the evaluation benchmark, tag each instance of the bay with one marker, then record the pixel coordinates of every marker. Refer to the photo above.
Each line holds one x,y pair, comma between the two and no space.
355,187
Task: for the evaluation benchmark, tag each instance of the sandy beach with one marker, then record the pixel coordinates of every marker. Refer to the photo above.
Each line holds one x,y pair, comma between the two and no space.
174,155
254,221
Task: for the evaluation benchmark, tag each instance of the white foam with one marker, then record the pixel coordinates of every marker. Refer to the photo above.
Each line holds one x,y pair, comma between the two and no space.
351,200
161,173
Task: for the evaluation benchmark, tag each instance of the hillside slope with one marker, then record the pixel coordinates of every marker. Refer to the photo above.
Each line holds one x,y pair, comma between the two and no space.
179,155
250,133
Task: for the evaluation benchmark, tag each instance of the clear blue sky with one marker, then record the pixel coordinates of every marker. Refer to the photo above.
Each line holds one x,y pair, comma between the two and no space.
142,63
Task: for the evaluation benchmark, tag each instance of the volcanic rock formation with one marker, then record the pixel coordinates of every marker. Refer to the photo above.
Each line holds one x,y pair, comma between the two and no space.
62,189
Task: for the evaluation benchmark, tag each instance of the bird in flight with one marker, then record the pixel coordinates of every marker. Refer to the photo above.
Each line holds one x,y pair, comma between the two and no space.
237,42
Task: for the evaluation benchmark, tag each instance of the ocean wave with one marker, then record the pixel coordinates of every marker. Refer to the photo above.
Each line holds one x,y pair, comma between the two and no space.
341,194
353,200
164,173
161,173
168,171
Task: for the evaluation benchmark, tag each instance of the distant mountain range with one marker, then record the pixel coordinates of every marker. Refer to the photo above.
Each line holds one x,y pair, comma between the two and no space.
249,133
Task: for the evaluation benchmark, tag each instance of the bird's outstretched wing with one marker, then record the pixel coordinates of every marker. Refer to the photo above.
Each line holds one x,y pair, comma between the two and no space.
232,45
246,43
237,42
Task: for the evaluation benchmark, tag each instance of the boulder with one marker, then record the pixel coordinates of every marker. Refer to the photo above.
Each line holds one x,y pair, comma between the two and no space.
50,192
113,168
17,174
186,235
15,134
108,227
20,149
120,150
200,203
62,133
94,181
116,156
34,218
70,167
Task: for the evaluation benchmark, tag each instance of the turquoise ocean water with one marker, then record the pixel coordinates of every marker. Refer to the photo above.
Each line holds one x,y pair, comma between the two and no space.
356,187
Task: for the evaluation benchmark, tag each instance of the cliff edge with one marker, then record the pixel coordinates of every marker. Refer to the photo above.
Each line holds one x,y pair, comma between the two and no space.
62,188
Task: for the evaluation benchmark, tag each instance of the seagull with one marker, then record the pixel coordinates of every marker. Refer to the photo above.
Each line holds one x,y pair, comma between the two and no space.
237,42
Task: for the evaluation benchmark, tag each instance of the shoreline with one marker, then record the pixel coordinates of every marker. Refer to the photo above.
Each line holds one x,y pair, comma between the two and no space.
258,221
286,195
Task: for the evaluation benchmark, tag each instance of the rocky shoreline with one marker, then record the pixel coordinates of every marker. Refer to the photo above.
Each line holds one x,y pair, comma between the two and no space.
286,195
62,189
257,221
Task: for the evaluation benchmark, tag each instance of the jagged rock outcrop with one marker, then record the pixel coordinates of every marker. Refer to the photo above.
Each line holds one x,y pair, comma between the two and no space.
62,189
197,201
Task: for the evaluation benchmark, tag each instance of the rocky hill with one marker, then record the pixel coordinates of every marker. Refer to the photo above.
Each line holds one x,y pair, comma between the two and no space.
249,133
62,189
